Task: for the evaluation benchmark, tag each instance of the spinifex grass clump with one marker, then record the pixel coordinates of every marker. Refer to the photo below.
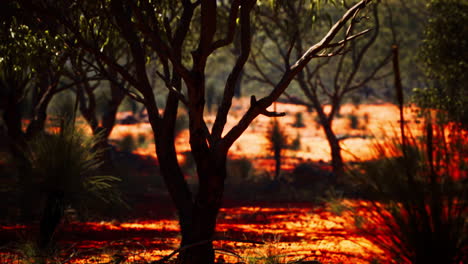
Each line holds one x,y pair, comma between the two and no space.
420,212
64,165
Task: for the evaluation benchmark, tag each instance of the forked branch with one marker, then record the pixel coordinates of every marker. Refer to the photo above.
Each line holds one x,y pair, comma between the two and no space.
261,105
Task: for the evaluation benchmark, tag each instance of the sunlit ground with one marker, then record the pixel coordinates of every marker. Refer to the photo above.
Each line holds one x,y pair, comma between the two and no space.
289,232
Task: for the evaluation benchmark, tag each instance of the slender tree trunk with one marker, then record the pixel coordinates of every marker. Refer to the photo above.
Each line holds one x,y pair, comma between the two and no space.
40,116
89,112
12,118
198,238
278,157
52,214
16,142
333,142
326,123
106,127
174,180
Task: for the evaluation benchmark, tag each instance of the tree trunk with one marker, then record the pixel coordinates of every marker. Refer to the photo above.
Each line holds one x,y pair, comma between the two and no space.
52,214
197,219
197,237
16,143
326,123
12,118
39,116
277,154
333,142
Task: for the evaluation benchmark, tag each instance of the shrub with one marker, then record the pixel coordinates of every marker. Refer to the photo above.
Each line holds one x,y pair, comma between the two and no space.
142,140
299,120
277,143
420,185
296,143
64,165
127,143
353,121
239,170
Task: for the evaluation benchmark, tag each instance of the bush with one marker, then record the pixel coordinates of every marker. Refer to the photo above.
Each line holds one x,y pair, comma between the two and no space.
239,170
299,120
127,143
277,143
296,143
420,185
353,121
63,166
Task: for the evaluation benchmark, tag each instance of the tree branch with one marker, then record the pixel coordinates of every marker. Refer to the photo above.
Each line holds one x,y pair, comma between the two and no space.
246,38
288,76
231,28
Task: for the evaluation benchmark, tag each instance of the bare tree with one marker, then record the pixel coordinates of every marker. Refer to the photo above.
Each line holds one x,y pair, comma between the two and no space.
343,74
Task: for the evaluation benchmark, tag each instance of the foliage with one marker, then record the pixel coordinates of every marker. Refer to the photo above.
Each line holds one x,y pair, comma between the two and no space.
445,58
26,50
353,121
299,120
142,140
239,170
127,143
67,161
420,212
296,142
276,136
277,143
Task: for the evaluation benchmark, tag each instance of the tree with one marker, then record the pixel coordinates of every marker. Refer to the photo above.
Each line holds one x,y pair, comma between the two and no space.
277,143
351,71
182,35
445,59
89,76
31,62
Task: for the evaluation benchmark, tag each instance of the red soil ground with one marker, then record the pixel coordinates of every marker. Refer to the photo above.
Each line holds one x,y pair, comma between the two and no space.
291,231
